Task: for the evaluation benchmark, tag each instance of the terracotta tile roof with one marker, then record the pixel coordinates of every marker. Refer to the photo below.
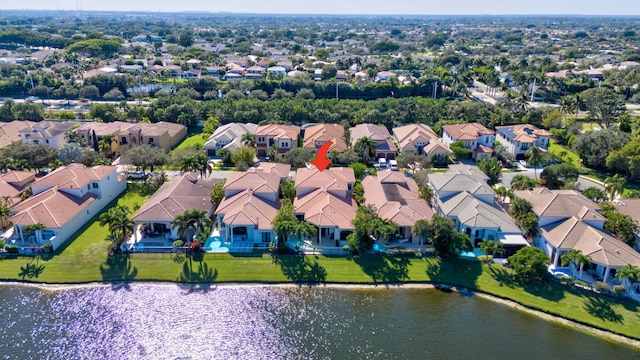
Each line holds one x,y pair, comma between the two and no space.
396,198
322,208
560,203
277,168
256,181
102,129
325,133
52,208
13,182
74,176
470,131
279,131
408,135
156,129
245,208
378,133
337,178
10,132
600,246
174,197
47,129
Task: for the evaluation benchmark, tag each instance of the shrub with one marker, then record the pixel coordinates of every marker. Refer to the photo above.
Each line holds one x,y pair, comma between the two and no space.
2,244
601,286
12,249
619,290
46,248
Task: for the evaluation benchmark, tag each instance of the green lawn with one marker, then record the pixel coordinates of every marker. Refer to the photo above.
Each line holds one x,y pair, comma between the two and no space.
85,260
193,138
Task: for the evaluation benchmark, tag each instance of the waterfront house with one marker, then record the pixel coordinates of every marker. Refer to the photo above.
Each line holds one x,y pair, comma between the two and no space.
249,206
324,199
49,133
63,201
568,220
396,198
463,195
181,193
10,132
475,137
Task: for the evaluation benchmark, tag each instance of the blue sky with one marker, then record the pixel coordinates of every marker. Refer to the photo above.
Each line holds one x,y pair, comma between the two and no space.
418,7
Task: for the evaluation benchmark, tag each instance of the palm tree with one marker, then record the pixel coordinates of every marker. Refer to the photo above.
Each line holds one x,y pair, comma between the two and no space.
249,139
421,229
503,193
366,146
490,248
631,274
385,229
576,258
104,145
196,220
34,229
535,159
492,168
523,182
120,224
5,213
614,185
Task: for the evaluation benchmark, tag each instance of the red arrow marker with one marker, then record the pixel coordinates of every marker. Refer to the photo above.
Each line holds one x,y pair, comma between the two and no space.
321,161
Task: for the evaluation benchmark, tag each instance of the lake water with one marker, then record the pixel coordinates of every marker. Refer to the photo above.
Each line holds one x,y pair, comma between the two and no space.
148,321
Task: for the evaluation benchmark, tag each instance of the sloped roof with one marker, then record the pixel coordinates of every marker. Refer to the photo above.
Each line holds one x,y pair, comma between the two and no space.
10,132
279,131
102,129
325,133
174,197
409,134
470,131
322,208
277,168
478,214
522,132
246,209
600,246
560,203
396,198
336,178
52,208
378,133
13,182
257,181
232,132
629,207
47,129
74,176
456,182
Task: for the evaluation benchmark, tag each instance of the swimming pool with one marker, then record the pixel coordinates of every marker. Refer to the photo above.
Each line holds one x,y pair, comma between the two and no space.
379,248
215,244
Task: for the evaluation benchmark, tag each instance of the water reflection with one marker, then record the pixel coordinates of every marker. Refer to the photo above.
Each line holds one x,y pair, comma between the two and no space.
202,322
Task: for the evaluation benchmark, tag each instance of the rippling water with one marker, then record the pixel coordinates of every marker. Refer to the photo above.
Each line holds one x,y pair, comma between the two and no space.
172,322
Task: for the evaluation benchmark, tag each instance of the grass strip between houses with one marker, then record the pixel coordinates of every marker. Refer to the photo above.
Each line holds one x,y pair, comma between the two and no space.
84,259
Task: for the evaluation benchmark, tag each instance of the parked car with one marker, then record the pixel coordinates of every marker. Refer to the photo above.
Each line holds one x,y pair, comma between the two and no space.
137,175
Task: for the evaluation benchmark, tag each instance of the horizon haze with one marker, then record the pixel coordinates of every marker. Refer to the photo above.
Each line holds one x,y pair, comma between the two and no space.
329,7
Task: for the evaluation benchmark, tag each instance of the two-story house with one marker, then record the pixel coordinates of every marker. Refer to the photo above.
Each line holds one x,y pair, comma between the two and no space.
568,220
463,195
228,136
324,199
49,133
317,135
420,139
385,148
63,201
13,184
473,136
250,204
281,138
518,139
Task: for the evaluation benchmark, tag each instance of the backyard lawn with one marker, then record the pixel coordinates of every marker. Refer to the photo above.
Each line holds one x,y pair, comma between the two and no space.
194,137
85,260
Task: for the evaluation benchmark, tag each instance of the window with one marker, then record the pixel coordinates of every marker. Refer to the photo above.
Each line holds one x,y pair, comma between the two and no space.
46,140
95,185
88,186
123,141
151,141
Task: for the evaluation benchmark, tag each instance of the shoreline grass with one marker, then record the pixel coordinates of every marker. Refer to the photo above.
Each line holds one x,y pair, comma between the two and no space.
85,260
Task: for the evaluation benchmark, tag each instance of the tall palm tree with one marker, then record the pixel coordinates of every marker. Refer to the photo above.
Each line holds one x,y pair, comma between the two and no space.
366,146
120,224
490,248
249,139
614,185
104,145
535,159
630,273
576,258
196,220
34,229
5,213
